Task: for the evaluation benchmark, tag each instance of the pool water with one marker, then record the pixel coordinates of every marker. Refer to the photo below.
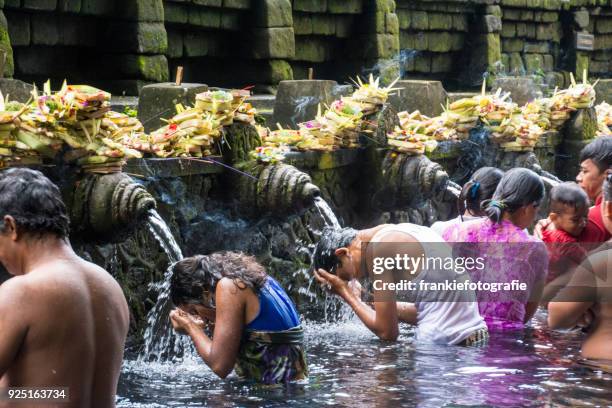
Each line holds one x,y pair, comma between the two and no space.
349,366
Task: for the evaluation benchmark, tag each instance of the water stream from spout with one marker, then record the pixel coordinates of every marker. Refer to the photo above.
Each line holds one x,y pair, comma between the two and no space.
161,342
327,213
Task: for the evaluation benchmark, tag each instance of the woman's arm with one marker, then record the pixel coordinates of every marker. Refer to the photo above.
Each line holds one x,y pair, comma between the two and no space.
221,352
382,320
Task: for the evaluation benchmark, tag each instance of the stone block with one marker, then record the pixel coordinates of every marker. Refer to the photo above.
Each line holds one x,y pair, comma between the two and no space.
539,47
493,49
460,22
494,10
428,97
392,23
438,21
581,18
604,90
140,10
508,30
69,6
176,13
521,30
603,42
323,24
533,62
79,31
305,94
441,63
43,5
512,45
344,6
277,70
97,7
273,43
12,4
302,23
490,24
5,46
45,29
311,50
237,4
422,63
522,89
457,41
208,3
527,15
207,18
141,38
545,32
549,16
407,41
197,44
438,41
512,14
158,101
344,26
175,44
19,28
548,62
130,66
387,6
273,13
379,46
231,20
310,6
420,20
404,18
603,25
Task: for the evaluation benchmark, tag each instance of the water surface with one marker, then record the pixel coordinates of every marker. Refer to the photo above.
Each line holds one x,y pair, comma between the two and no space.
350,367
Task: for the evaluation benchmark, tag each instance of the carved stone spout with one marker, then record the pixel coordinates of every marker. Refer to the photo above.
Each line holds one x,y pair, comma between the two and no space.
107,207
280,189
408,181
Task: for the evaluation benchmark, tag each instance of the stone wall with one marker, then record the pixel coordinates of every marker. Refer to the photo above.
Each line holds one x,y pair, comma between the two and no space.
123,44
117,45
341,38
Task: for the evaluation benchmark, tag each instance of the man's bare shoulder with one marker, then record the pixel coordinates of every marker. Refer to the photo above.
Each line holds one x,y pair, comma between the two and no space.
14,289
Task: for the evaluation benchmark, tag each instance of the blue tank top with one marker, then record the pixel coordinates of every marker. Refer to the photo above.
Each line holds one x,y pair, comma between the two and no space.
276,311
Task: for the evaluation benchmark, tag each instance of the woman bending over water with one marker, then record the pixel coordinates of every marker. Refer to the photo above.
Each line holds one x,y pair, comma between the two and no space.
256,326
510,252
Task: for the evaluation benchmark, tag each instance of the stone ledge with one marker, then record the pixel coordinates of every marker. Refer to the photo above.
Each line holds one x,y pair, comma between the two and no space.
323,160
171,167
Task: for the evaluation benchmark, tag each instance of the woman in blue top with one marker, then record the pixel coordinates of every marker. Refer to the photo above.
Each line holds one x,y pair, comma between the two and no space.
256,328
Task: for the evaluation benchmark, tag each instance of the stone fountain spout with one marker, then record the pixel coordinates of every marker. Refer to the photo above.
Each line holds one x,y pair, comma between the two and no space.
279,189
108,207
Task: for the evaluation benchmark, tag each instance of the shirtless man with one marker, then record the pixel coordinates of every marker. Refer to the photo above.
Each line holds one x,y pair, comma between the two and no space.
63,321
590,289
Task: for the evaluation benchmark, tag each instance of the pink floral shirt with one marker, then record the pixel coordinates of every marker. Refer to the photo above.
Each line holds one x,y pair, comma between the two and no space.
524,259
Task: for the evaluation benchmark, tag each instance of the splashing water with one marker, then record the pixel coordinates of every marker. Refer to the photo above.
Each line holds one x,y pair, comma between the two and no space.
161,342
327,213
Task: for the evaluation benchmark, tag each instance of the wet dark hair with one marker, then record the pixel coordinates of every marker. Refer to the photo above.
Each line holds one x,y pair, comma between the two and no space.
324,256
567,194
34,202
517,188
480,187
600,153
193,276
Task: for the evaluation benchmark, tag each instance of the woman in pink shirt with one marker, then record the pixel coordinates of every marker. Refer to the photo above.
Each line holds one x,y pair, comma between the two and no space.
510,253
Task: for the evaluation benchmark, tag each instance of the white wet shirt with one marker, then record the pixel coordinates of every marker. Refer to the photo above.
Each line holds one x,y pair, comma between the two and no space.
444,322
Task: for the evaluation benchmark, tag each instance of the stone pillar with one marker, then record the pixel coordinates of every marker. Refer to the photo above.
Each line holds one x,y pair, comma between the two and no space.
273,40
577,133
378,42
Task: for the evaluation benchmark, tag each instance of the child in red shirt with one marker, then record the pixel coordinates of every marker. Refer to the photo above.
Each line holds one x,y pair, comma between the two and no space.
569,209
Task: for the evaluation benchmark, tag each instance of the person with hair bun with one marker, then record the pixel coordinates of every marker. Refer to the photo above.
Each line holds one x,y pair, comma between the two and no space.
511,253
480,187
586,301
255,326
